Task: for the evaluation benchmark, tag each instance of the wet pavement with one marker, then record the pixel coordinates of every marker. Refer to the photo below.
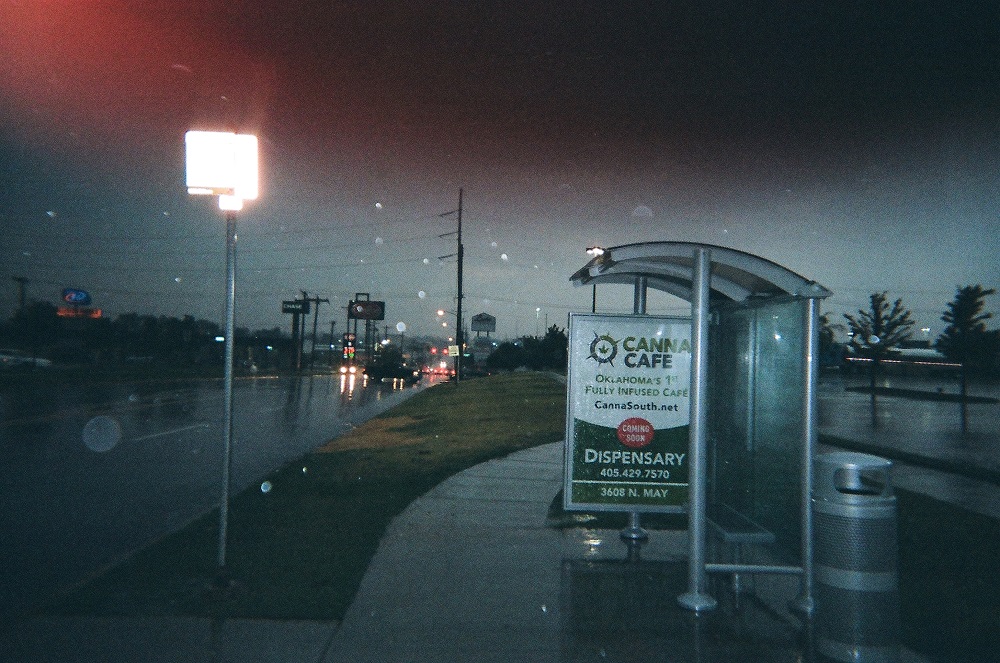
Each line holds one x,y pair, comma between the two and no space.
477,570
71,508
926,430
474,571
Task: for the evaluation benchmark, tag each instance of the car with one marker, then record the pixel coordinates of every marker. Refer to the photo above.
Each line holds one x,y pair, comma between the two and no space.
390,372
10,358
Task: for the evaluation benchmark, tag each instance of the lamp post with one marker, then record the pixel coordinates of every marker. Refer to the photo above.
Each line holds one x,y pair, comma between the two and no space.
225,165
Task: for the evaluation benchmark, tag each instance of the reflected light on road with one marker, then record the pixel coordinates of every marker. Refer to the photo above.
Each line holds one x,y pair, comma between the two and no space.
347,382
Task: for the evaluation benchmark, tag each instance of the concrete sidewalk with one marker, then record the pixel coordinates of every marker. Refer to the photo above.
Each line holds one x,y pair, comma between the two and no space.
472,572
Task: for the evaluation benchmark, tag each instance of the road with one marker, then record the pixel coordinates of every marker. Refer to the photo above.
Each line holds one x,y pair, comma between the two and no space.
69,509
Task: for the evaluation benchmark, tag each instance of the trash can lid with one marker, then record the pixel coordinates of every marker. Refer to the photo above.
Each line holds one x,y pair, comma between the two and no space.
852,460
851,477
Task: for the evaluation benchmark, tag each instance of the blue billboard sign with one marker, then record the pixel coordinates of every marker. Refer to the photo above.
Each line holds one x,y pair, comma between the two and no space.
76,297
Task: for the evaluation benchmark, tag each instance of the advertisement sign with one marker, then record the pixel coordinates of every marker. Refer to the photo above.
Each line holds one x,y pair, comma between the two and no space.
366,310
484,322
628,409
296,306
76,296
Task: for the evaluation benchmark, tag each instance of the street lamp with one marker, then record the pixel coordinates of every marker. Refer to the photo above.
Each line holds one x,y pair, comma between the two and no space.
597,252
224,164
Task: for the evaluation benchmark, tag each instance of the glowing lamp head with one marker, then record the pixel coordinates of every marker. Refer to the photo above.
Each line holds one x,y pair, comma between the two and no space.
221,164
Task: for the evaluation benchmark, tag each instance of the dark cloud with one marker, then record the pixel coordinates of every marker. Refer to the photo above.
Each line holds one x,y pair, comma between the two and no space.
777,127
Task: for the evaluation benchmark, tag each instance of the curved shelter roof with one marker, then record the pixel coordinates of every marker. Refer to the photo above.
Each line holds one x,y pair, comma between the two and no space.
668,266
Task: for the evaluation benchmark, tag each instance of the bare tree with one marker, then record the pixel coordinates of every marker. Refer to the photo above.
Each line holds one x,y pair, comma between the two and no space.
876,333
964,340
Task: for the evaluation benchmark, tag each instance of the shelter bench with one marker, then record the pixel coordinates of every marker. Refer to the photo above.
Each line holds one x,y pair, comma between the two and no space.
735,529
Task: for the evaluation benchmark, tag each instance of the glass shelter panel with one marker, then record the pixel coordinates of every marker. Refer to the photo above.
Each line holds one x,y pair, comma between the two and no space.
756,394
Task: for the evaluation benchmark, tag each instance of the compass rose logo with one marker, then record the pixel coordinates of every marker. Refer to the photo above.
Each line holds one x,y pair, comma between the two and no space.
603,349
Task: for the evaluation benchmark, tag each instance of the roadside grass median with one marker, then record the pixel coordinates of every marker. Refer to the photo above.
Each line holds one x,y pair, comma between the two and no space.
299,550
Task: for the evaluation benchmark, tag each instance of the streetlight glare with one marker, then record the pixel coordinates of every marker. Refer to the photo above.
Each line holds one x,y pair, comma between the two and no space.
221,163
230,203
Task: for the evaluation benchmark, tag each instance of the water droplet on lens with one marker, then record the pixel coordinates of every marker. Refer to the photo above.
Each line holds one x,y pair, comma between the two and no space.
102,433
266,487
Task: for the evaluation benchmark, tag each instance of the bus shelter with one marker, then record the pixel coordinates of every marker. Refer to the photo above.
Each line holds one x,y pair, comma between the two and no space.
752,427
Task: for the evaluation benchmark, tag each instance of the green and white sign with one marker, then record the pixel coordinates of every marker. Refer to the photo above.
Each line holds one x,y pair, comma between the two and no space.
628,410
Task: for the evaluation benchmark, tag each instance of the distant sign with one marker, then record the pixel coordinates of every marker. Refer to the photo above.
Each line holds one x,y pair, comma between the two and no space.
484,322
296,306
366,310
79,312
629,385
76,297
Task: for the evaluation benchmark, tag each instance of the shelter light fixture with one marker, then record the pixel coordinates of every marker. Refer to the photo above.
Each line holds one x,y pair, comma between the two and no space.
597,252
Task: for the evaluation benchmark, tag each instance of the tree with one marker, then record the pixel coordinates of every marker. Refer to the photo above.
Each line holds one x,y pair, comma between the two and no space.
549,352
831,353
36,325
876,333
506,357
965,339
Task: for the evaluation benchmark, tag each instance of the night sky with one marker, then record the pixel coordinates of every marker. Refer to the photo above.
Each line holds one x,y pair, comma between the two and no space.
854,142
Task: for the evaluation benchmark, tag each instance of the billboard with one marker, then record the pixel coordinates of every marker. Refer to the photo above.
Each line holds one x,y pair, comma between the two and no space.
296,306
366,310
628,410
484,322
76,296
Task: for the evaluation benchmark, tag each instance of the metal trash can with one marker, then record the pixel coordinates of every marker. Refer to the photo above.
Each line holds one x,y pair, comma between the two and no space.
855,559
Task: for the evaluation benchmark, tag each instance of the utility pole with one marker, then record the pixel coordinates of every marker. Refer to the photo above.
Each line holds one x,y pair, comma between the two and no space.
458,333
458,314
300,323
317,301
333,323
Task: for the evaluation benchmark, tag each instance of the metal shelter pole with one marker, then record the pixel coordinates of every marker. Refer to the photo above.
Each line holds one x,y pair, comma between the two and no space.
805,602
634,531
697,598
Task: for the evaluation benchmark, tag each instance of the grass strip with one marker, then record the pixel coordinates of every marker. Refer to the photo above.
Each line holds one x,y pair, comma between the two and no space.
299,551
